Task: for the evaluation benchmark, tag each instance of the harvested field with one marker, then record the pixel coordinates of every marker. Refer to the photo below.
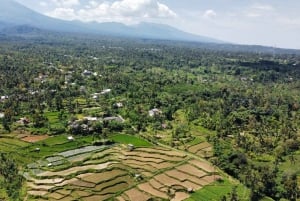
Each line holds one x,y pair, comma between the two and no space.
179,196
153,155
163,152
146,187
56,196
34,138
37,193
123,179
183,177
81,193
136,195
97,197
84,184
198,147
75,170
103,172
189,169
100,177
203,165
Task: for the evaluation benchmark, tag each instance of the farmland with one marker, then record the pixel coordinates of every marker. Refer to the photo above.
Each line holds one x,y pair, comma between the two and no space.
119,119
113,171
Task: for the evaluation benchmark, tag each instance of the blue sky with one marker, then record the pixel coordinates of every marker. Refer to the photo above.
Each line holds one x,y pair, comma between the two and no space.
262,22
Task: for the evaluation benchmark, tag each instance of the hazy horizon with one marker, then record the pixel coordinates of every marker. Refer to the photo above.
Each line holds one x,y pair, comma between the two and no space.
270,23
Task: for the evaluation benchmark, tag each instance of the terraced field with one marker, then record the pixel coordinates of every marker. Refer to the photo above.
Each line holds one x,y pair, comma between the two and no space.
203,149
115,173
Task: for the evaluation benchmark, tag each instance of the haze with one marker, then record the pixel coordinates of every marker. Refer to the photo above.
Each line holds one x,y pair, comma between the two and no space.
267,22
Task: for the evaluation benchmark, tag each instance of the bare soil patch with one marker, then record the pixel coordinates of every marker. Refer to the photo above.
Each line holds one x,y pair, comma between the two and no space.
34,138
146,187
37,193
197,147
189,169
104,176
136,195
75,170
97,197
124,179
183,177
203,165
179,196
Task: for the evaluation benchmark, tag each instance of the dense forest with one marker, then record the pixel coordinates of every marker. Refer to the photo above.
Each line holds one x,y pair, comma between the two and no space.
246,104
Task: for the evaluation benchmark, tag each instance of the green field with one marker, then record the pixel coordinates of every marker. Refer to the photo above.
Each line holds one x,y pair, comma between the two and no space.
218,190
129,139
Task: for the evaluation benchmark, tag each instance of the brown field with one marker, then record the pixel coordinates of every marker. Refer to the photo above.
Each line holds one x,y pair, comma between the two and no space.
84,184
37,193
34,138
80,193
104,176
146,187
141,166
179,196
120,198
56,196
203,165
114,188
191,170
197,147
124,179
113,171
144,159
64,191
166,180
75,170
163,152
136,195
97,197
47,181
155,156
183,177
156,184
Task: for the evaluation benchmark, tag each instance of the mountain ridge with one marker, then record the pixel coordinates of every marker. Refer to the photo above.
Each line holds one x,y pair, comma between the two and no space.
13,14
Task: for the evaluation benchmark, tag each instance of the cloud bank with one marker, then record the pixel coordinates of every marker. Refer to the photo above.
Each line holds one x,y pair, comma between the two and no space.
125,11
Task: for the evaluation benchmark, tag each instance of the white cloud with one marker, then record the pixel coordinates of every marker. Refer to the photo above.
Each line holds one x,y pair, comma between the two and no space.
126,11
43,4
209,14
64,13
66,3
263,7
258,10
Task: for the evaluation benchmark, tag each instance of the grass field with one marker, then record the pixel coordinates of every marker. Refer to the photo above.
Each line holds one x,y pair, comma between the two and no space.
217,190
129,139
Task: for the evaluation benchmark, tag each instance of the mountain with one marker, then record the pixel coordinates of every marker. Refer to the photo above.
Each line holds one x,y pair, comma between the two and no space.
13,15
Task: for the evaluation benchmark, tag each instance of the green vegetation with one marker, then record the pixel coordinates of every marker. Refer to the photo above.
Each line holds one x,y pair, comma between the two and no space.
221,190
239,110
129,139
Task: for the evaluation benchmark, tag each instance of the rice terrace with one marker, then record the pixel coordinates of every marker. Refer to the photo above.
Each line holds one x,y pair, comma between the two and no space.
114,172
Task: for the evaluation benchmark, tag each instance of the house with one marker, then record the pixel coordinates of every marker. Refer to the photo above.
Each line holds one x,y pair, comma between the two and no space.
105,91
70,138
23,121
91,118
130,147
154,112
87,73
118,105
4,97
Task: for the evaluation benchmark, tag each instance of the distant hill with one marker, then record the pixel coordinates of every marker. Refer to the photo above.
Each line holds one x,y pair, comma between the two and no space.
13,14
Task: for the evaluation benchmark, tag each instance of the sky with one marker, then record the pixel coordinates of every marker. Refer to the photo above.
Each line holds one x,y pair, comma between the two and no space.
256,22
